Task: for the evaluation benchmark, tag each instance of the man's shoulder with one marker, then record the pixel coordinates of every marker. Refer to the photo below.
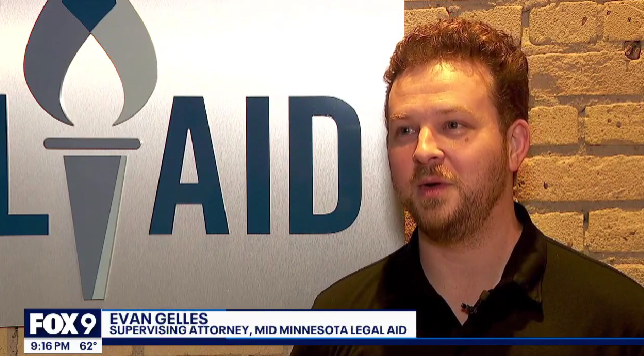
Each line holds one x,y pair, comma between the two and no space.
591,271
358,290
591,284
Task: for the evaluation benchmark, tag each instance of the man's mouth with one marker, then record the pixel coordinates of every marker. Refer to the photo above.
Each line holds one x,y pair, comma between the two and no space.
431,187
432,182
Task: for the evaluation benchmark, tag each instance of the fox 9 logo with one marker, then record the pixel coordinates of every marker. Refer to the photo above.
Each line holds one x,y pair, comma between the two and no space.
63,323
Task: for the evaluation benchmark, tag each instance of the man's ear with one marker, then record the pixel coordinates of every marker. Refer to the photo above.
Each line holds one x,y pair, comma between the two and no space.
518,141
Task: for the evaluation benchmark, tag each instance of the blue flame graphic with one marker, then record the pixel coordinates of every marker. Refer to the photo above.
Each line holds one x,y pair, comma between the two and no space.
61,30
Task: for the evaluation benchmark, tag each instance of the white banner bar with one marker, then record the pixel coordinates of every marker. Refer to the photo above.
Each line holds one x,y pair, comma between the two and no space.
258,324
63,346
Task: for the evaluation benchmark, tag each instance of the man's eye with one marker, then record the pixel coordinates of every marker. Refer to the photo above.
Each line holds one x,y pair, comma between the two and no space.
453,125
405,130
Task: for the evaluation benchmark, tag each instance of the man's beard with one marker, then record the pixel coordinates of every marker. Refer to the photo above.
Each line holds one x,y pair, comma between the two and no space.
473,208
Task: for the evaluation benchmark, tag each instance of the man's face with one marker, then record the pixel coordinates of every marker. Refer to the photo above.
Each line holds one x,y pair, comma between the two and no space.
448,158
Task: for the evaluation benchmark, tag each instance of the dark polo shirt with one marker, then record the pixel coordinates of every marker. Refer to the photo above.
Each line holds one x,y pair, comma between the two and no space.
546,290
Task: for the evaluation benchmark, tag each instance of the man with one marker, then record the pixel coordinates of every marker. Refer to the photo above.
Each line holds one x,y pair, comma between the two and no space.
476,266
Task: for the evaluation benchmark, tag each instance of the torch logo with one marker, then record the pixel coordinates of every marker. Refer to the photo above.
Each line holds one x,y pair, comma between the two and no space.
94,182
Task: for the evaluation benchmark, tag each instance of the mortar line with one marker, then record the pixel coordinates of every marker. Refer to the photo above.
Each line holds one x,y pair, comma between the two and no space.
12,341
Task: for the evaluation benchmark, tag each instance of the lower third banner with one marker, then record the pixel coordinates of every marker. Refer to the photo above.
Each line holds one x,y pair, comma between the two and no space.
84,331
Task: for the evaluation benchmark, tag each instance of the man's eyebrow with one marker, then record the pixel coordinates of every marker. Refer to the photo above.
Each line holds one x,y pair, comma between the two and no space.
399,117
456,109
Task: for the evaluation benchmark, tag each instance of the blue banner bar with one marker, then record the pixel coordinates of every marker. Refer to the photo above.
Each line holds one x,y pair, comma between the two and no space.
418,341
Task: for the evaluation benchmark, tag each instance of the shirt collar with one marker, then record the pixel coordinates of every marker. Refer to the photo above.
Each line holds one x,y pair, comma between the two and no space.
405,281
527,263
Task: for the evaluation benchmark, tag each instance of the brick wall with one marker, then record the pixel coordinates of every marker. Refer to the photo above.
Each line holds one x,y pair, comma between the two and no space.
584,180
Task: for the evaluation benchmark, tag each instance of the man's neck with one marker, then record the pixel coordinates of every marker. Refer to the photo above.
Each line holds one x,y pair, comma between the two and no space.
460,273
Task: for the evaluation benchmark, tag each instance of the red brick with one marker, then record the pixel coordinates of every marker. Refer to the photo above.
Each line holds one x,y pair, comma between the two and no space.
581,178
615,230
556,125
567,228
598,73
615,124
505,18
566,22
624,20
3,341
531,49
414,18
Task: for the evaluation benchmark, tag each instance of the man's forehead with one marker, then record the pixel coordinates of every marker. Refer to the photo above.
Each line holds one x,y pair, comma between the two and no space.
459,83
445,71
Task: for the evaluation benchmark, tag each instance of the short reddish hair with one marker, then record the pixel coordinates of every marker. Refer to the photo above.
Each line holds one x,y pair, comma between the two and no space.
459,40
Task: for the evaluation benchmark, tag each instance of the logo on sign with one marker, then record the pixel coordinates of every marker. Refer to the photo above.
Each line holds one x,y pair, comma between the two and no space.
95,182
61,30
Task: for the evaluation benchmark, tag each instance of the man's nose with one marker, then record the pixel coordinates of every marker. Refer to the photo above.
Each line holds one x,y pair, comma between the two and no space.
427,149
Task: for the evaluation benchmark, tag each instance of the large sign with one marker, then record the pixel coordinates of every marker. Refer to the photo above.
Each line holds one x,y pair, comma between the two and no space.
199,154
